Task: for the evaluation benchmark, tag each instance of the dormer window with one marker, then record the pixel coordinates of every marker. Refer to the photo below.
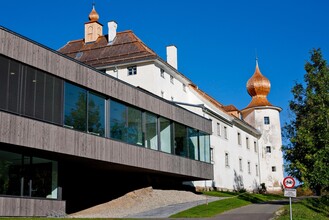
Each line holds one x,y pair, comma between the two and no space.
132,70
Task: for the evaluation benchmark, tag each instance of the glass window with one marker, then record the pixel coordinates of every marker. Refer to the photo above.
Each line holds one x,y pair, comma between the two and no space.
96,114
225,132
239,138
75,107
134,129
151,131
132,70
249,168
172,79
240,164
4,75
29,91
268,149
274,169
22,175
266,120
227,163
40,95
165,135
204,145
193,143
180,140
162,73
218,129
247,143
255,146
13,86
256,170
118,115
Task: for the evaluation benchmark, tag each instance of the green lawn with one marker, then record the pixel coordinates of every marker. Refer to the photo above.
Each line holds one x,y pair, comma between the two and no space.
212,208
233,201
311,208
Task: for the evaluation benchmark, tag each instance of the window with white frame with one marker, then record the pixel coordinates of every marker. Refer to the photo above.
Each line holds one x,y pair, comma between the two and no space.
172,79
227,163
218,128
225,132
249,168
162,73
132,70
247,143
239,138
268,149
255,146
240,164
266,120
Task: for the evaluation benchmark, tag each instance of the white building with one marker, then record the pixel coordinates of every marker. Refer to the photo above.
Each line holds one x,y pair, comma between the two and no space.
244,151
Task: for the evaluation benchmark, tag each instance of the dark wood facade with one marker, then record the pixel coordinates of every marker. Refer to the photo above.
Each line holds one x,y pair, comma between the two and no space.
57,141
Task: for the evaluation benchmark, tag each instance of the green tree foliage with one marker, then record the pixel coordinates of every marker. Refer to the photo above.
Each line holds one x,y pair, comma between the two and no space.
307,153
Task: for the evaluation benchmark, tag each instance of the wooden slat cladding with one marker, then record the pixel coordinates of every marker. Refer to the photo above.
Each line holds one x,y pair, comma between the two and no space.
30,133
40,57
19,207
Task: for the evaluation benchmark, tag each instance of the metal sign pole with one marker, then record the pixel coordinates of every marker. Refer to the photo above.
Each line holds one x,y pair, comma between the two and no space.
290,208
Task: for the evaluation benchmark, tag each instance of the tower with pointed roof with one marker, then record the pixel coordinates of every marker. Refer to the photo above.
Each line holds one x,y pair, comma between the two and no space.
93,29
265,117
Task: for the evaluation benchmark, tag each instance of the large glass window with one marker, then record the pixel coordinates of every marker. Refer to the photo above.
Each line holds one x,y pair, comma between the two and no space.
204,147
117,120
23,175
165,135
96,114
134,126
125,123
75,107
193,143
151,131
4,74
180,140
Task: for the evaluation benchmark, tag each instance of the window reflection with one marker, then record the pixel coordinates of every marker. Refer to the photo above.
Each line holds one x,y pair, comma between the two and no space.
151,137
165,135
180,140
96,114
193,143
75,107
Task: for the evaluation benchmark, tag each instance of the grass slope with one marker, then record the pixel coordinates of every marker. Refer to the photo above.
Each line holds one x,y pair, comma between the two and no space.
310,208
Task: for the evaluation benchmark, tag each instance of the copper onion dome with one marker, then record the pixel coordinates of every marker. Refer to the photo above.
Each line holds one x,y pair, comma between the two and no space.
258,87
93,16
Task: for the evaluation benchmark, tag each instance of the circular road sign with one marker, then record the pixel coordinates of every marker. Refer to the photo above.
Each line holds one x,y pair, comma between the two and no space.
289,182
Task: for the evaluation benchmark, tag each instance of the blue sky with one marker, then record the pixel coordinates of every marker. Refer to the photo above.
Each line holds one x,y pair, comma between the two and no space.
216,39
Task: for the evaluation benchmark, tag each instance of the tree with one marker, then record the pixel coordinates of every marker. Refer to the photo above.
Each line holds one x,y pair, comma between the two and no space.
307,153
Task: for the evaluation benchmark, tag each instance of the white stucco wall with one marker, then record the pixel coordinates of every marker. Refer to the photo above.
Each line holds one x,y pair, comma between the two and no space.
149,78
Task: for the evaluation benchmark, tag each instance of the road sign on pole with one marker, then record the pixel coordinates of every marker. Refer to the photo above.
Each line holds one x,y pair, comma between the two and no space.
289,183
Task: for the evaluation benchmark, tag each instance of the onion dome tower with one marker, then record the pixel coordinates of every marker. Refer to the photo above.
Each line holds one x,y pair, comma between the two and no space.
265,117
258,87
93,29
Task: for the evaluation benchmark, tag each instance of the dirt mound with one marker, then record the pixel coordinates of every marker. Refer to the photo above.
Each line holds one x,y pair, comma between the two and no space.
136,202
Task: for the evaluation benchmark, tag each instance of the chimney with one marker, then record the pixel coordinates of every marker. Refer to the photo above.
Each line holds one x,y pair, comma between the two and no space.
112,25
172,56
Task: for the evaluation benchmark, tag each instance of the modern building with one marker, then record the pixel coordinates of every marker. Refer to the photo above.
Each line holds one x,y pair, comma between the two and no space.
72,136
244,151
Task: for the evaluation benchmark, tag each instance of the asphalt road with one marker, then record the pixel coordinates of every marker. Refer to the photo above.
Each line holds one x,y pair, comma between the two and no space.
263,211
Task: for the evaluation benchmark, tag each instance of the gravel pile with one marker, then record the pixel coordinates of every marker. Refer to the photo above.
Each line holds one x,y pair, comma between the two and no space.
136,202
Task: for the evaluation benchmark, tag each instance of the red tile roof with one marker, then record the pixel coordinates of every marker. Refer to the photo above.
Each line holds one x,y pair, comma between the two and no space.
126,47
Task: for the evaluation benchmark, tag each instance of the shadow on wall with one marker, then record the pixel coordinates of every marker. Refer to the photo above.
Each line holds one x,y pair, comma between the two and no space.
238,183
